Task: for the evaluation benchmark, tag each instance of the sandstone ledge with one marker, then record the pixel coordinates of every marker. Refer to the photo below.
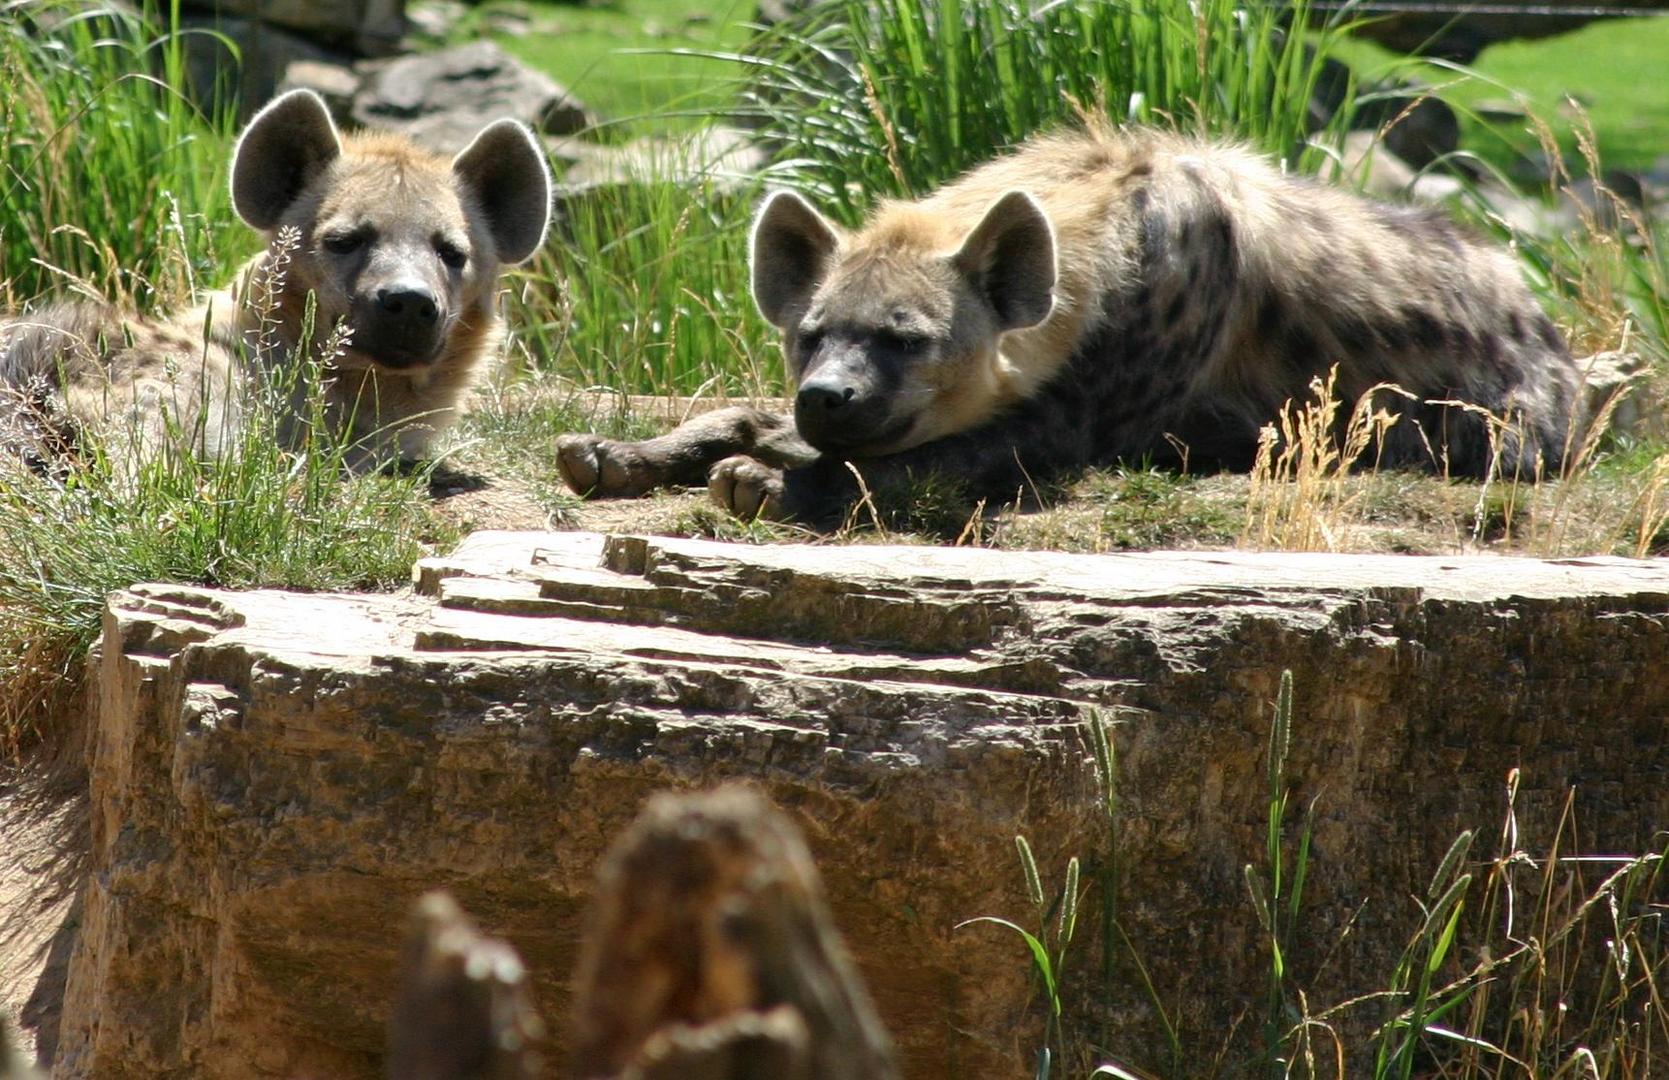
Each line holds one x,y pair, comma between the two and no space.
275,777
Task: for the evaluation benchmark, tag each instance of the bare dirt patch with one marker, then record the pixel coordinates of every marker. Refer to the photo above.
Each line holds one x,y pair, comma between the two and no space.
43,847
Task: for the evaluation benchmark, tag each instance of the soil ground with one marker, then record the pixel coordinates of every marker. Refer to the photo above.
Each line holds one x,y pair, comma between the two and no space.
43,838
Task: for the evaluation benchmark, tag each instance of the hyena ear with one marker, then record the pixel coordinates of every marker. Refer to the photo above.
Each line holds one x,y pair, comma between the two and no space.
284,147
505,167
1010,256
791,249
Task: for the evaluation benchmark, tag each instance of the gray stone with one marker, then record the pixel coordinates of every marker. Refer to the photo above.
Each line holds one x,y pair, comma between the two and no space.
720,159
276,777
365,27
1381,172
442,99
435,19
337,84
265,53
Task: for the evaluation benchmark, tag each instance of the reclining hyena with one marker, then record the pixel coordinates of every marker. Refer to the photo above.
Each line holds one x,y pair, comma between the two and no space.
397,250
1120,296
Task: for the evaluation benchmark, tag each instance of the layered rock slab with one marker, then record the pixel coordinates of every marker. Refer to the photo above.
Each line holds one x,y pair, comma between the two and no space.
276,776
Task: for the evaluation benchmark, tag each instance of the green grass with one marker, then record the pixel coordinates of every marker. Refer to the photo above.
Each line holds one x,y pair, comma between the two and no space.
895,97
617,57
109,177
646,291
1613,68
1155,508
259,515
116,184
1516,963
650,284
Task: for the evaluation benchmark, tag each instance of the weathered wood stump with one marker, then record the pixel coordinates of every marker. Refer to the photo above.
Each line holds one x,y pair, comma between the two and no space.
12,1064
710,952
463,1011
709,955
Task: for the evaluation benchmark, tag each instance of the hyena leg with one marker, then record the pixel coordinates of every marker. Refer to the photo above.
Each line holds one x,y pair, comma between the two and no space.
607,468
999,463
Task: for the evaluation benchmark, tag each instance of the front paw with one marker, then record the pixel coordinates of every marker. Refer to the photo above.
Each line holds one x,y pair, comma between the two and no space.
747,487
600,468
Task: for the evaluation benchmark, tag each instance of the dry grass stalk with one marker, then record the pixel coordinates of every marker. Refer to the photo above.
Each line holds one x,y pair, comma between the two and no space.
1302,494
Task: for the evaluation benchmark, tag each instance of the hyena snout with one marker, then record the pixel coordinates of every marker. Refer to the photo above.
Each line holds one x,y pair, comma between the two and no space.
843,405
400,324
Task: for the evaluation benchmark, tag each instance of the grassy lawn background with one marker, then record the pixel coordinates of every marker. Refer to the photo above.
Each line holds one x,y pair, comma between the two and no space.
1613,68
592,50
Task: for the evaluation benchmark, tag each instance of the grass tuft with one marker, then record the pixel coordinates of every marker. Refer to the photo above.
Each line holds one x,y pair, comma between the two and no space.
1519,964
894,98
111,181
646,291
1301,495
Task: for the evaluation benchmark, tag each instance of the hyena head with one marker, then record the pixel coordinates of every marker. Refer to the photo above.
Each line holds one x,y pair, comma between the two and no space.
400,245
891,333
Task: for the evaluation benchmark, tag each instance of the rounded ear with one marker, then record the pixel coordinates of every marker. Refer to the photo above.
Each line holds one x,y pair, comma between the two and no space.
791,248
1010,257
505,167
284,147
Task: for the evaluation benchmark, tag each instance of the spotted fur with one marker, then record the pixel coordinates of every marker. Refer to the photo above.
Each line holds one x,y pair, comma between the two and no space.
1113,295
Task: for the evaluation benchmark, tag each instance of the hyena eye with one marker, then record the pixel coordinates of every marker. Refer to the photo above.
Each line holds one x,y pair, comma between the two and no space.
344,243
451,254
908,344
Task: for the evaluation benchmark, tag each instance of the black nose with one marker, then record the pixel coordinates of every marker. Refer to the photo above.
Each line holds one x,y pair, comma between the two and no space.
416,304
822,398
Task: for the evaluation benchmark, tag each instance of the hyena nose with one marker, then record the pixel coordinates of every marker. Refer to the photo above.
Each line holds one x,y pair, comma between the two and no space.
820,399
415,304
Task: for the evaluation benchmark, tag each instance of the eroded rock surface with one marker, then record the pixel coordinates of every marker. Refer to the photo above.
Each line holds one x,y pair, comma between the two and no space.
276,777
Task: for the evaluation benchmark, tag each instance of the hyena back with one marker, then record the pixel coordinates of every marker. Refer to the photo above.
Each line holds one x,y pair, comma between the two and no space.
1121,295
382,264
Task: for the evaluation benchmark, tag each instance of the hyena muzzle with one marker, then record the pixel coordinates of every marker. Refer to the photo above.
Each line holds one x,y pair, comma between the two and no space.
382,264
1122,295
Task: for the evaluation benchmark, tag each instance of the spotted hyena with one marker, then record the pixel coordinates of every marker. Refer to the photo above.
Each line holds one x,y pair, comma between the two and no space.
388,252
1101,296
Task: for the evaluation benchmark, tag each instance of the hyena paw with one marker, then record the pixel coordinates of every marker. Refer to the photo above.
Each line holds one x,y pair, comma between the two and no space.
747,487
600,468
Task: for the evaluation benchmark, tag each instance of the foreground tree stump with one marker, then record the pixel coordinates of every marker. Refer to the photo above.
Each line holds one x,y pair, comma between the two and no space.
463,1012
709,955
710,952
12,1064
